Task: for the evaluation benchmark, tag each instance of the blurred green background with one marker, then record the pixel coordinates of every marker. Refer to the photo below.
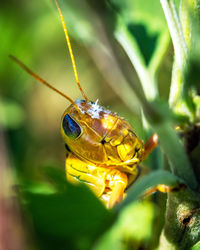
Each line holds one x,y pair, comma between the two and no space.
30,113
32,31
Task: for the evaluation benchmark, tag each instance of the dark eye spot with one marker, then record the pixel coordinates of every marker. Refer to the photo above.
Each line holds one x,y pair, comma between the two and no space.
103,141
71,127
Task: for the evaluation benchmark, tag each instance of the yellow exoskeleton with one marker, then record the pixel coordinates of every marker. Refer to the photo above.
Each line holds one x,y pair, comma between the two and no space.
103,148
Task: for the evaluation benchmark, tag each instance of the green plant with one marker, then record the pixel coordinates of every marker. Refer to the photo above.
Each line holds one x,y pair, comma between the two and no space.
133,36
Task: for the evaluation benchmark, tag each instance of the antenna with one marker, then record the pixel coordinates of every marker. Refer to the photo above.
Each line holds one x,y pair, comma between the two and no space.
42,80
70,51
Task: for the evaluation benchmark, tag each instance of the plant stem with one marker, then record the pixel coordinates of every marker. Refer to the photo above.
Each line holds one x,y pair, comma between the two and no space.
176,32
158,119
130,46
180,50
180,31
182,222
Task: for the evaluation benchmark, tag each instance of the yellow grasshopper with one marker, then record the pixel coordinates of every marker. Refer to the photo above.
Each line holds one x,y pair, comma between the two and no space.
103,148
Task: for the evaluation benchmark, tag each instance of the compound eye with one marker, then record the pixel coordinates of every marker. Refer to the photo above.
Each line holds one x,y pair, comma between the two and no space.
71,127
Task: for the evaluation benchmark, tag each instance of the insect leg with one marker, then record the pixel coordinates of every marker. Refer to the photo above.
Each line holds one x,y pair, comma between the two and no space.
79,171
116,183
107,184
164,189
150,145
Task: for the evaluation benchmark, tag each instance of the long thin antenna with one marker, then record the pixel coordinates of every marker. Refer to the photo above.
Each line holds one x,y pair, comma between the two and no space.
70,51
42,80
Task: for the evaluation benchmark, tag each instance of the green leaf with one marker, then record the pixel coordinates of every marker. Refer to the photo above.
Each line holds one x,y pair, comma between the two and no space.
146,35
175,153
74,217
36,187
196,246
56,176
133,227
149,31
152,180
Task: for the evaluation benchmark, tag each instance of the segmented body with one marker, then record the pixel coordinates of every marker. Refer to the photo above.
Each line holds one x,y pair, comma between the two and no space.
104,150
